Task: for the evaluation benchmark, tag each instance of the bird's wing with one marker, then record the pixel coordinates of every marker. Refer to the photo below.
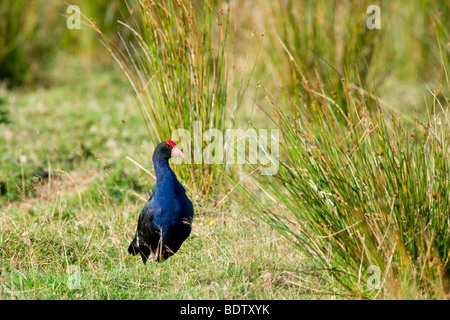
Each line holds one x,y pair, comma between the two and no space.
146,213
147,238
145,228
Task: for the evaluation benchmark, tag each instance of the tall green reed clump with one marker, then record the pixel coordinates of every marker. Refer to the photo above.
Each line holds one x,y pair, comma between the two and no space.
329,44
373,196
177,66
362,192
365,199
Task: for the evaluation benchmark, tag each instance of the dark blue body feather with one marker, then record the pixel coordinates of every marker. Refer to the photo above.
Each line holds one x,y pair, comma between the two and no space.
165,221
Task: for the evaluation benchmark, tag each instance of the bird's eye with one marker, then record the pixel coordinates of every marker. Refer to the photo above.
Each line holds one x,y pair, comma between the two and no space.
167,146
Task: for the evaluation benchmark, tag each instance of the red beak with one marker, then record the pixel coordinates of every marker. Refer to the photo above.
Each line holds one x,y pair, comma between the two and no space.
177,153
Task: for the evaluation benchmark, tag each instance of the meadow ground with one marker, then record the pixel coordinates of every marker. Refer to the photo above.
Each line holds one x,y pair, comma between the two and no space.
359,207
78,217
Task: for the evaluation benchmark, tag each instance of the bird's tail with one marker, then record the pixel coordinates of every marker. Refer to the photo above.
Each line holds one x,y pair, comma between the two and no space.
134,248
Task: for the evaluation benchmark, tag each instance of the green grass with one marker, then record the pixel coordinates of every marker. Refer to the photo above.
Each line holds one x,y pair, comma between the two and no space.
375,193
364,140
36,140
360,183
85,212
218,262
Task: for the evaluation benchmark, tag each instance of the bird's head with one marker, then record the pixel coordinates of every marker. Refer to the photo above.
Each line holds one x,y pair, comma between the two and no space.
168,149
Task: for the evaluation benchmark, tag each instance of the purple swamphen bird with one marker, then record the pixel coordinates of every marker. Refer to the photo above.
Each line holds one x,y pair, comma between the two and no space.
165,221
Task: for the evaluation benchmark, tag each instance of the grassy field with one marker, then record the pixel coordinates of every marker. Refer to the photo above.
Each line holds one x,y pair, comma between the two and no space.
364,149
76,200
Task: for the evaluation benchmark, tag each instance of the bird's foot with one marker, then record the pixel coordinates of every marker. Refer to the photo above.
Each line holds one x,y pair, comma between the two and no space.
153,257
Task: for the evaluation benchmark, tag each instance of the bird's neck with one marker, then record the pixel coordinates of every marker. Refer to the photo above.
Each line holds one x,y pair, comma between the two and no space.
162,168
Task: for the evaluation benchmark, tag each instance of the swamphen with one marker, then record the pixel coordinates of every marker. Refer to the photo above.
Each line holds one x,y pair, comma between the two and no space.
165,221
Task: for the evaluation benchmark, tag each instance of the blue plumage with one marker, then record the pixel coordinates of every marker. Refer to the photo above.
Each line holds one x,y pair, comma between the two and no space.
165,221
